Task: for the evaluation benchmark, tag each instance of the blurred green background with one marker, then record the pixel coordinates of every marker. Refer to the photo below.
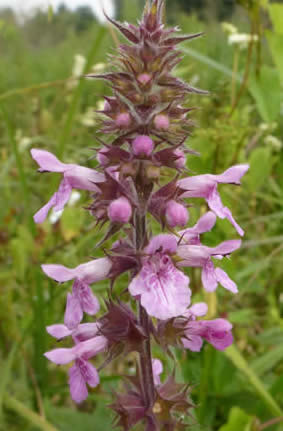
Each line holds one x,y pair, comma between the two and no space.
44,103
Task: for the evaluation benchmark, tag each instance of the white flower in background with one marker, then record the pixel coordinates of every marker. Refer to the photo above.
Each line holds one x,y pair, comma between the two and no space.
56,215
273,142
264,127
242,39
77,71
194,80
79,65
88,119
229,28
98,67
100,105
268,127
23,141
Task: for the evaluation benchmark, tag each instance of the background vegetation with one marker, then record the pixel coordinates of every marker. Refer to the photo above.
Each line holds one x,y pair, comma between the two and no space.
43,104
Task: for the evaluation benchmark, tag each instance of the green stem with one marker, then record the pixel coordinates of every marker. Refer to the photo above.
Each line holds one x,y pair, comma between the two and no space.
239,361
206,370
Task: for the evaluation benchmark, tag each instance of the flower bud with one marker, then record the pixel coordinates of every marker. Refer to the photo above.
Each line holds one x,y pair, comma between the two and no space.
123,120
162,122
107,106
176,214
180,162
120,210
144,78
142,145
101,157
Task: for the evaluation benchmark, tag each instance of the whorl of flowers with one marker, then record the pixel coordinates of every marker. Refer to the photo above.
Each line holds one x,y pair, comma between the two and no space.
146,125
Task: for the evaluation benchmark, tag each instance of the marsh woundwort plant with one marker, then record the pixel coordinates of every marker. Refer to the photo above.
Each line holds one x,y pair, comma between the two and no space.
146,125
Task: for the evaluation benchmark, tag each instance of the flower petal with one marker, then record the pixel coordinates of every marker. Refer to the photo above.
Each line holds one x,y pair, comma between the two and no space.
58,272
233,175
41,214
199,309
90,348
89,373
62,195
89,302
83,178
59,331
47,161
61,356
163,242
157,369
86,331
74,312
226,247
225,280
208,276
163,288
193,343
77,384
218,333
95,270
216,205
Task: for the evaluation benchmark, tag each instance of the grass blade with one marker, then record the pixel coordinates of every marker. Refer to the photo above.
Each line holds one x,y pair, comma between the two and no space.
211,63
78,92
239,361
20,167
15,405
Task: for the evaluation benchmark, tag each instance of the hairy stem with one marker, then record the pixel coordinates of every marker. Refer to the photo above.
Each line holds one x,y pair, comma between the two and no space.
145,359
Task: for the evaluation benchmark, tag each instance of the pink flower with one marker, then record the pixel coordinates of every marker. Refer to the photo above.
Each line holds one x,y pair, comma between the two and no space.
74,177
192,234
82,332
216,332
82,372
162,288
205,186
81,299
200,256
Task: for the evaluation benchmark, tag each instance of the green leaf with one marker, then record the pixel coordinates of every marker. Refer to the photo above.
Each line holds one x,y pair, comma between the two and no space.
266,362
71,222
238,420
276,15
246,316
21,250
66,419
260,167
239,361
275,43
265,89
